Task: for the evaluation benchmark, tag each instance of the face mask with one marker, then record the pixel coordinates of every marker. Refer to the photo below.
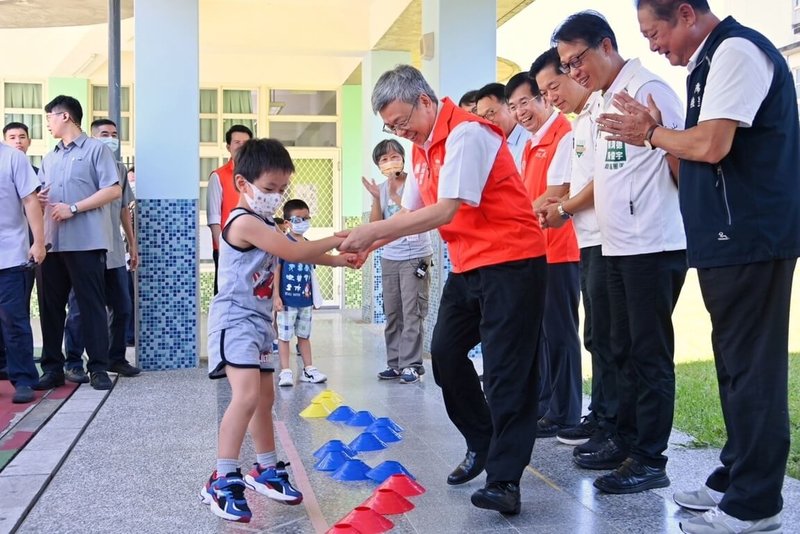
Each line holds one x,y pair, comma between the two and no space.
391,169
263,204
110,142
301,227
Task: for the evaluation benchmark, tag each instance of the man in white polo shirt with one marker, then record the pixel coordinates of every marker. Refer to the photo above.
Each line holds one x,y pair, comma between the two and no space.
636,201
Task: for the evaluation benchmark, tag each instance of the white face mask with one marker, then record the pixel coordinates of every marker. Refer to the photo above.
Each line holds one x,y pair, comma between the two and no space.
391,169
263,204
110,142
301,227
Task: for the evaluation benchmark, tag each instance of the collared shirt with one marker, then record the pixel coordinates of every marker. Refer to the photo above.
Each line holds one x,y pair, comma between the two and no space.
406,247
115,257
537,136
516,143
471,149
214,200
17,181
73,173
582,171
739,78
636,200
559,172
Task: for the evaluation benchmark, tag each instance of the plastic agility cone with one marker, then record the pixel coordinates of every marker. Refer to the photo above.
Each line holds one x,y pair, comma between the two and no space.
332,461
386,501
315,410
329,394
362,418
334,445
343,528
385,421
386,434
367,441
386,469
404,485
341,414
350,471
330,404
367,521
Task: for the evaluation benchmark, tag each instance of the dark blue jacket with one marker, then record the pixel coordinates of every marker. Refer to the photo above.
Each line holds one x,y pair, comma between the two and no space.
745,209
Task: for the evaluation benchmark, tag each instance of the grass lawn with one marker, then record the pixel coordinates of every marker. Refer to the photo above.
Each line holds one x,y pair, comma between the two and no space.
698,413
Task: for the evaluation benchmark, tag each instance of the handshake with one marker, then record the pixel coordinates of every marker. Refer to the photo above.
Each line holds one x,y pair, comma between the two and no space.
356,244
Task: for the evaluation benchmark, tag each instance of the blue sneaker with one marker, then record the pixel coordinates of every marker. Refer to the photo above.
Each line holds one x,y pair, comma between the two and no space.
225,497
273,482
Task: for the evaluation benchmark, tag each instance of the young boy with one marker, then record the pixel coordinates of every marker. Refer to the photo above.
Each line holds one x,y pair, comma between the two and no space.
240,331
294,300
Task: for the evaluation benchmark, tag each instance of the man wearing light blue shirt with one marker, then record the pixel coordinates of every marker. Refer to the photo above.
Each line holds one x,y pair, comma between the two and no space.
493,107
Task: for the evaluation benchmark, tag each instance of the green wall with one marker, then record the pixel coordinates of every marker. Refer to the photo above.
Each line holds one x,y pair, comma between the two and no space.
352,151
74,87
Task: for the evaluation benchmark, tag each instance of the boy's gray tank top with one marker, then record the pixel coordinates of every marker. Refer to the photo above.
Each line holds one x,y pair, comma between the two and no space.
244,279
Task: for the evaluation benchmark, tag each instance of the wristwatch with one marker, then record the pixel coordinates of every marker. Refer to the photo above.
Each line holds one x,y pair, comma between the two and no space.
563,213
649,136
73,209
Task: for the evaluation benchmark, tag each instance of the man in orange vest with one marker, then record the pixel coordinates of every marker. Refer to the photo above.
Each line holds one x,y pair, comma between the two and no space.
467,185
222,194
546,174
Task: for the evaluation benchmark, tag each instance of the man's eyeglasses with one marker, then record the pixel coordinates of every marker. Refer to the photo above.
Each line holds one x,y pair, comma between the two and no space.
402,125
489,115
573,63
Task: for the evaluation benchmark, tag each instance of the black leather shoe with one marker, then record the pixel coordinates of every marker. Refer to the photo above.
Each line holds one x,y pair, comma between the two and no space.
501,497
49,381
596,442
608,457
77,376
101,381
469,468
124,369
545,428
632,477
23,395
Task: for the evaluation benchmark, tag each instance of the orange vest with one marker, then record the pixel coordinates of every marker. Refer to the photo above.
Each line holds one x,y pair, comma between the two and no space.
562,245
503,227
230,195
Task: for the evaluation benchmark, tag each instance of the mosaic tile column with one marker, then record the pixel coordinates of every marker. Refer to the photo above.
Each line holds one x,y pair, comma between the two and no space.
372,288
168,314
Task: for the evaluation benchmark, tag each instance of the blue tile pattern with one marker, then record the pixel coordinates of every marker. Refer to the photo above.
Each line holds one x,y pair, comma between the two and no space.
167,316
372,288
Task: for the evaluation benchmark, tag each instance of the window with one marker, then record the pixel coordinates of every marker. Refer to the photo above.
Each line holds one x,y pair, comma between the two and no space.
100,109
23,103
208,116
283,102
304,133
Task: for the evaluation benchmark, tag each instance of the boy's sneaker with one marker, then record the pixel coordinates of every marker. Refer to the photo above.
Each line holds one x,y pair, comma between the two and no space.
715,521
701,499
580,434
389,374
286,378
273,482
409,376
225,497
312,374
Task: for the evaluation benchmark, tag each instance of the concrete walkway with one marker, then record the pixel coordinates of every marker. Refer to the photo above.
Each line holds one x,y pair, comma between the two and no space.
140,463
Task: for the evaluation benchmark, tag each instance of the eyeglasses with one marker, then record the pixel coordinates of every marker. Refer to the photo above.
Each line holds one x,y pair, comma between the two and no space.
573,63
53,114
402,125
296,219
489,115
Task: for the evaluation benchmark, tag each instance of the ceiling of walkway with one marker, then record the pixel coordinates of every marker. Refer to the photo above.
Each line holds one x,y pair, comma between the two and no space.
297,43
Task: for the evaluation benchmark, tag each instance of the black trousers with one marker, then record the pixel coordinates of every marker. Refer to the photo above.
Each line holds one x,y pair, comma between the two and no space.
597,336
560,398
749,308
500,306
84,272
643,290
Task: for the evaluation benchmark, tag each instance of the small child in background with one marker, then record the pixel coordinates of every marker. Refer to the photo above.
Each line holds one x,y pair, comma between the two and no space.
281,224
240,332
294,300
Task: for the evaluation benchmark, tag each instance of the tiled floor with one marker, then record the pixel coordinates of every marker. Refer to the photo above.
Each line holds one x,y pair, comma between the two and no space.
139,465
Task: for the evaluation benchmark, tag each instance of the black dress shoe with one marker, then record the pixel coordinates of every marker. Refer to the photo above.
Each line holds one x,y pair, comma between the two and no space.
124,369
469,468
610,456
76,376
101,381
632,477
49,381
23,395
502,497
596,442
545,428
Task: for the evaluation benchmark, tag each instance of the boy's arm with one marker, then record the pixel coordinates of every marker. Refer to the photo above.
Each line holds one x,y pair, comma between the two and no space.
251,231
277,302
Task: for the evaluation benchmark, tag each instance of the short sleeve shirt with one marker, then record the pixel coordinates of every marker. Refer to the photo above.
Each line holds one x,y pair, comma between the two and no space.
406,247
73,173
295,283
17,181
115,257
